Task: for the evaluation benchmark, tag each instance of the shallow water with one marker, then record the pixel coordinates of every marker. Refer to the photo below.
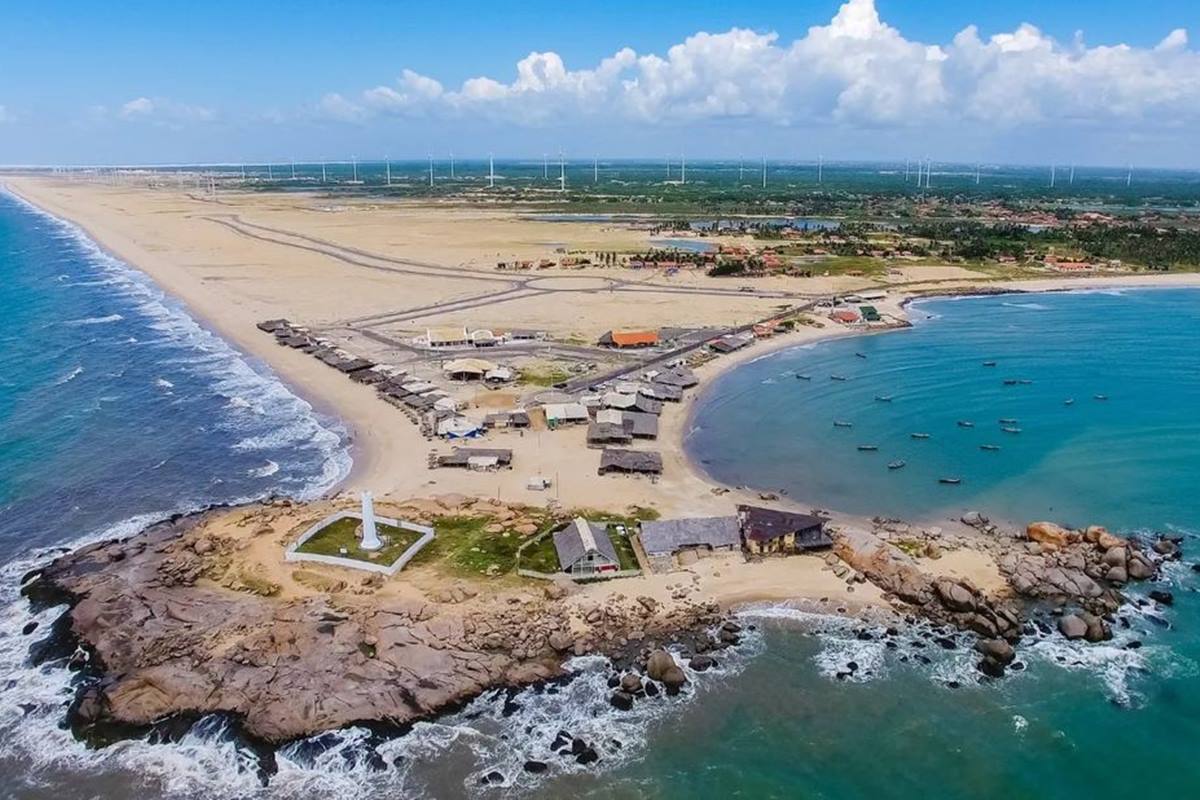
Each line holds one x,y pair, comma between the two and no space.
1128,461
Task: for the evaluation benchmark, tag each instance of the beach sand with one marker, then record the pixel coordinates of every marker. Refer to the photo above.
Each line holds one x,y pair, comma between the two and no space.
242,258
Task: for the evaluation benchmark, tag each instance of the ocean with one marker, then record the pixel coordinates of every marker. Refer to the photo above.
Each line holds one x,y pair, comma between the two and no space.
116,408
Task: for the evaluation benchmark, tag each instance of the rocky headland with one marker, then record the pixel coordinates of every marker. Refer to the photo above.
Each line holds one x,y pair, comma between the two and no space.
198,615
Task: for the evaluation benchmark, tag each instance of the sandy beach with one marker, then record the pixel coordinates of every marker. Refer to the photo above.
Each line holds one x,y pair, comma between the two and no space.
246,258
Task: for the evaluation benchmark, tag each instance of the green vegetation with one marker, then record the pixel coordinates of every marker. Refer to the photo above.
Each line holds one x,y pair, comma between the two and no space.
465,545
342,533
544,376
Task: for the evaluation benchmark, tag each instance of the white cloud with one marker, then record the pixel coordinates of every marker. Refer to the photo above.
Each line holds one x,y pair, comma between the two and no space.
163,112
857,70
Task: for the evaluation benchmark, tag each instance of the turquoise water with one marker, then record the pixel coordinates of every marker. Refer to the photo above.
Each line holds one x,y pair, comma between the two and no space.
1129,461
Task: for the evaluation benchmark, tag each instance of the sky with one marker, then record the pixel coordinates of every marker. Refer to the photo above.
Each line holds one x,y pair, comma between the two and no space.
141,82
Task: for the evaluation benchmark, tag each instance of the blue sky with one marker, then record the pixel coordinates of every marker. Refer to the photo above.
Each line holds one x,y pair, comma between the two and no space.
164,82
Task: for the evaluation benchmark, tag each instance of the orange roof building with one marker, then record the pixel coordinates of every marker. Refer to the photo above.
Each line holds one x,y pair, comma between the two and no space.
623,339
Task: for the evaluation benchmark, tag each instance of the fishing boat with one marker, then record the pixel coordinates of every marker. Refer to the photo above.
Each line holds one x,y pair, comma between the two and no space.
919,435
842,424
1010,381
991,448
885,398
1007,421
861,355
899,463
837,377
962,423
989,363
950,481
1011,430
800,377
1070,401
1100,396
1024,381
868,448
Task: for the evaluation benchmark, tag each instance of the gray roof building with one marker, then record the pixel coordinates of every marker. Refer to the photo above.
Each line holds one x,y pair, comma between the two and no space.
664,537
584,547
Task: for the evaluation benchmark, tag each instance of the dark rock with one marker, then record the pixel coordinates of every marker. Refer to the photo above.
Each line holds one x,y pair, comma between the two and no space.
621,700
561,740
1162,597
702,663
29,628
492,778
1072,627
651,689
630,683
588,756
536,767
991,667
578,746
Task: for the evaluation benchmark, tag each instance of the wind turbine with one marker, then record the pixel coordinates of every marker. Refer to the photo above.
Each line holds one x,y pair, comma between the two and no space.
595,170
977,174
388,161
491,172
562,172
906,167
741,169
1052,171
1071,178
1129,176
764,172
451,165
545,166
354,167
322,172
682,168
820,168
270,174
430,170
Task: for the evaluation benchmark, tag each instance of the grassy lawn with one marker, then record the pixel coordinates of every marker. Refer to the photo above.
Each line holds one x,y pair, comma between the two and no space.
546,376
624,549
463,545
341,534
541,557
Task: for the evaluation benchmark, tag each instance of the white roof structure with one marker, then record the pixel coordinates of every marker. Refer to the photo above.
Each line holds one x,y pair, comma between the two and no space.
417,387
446,404
611,416
565,412
470,366
457,428
498,374
482,462
618,400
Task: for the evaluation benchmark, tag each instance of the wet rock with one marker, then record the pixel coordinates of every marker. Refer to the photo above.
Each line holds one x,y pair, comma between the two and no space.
631,683
1165,547
1162,597
492,778
29,627
955,596
974,519
536,767
702,663
991,668
650,688
588,756
997,650
1117,575
658,663
621,700
1139,569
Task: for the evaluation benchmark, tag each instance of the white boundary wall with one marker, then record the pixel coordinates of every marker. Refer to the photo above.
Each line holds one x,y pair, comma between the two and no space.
293,555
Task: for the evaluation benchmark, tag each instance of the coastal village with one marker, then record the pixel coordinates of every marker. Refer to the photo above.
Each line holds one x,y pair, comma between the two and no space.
520,495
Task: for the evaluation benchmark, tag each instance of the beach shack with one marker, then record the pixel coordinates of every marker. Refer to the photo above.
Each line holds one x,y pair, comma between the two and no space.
768,531
584,549
688,539
564,413
630,462
467,369
447,337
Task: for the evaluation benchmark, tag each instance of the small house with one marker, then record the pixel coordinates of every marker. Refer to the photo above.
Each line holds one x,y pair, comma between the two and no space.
630,462
768,531
627,339
584,549
447,337
698,536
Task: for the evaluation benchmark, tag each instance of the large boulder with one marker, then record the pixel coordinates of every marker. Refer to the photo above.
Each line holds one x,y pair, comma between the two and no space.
1048,533
955,596
1103,539
1072,626
1116,556
1140,569
658,663
997,650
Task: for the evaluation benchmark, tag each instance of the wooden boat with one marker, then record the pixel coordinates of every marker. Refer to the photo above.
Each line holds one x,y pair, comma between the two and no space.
989,363
962,423
1010,381
919,435
837,423
868,448
837,377
950,481
1100,396
991,448
1024,381
1011,430
800,377
1007,421
898,464
1070,401
885,398
861,355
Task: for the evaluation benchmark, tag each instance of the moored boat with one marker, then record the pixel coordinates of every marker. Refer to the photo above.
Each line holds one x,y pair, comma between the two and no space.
1007,421
1070,401
1011,430
800,377
963,423
989,447
861,355
989,363
919,435
1010,381
837,377
885,398
897,464
868,448
837,423
950,481
1100,396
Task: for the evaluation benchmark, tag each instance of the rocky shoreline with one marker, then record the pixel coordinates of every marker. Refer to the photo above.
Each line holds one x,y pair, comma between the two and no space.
156,638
